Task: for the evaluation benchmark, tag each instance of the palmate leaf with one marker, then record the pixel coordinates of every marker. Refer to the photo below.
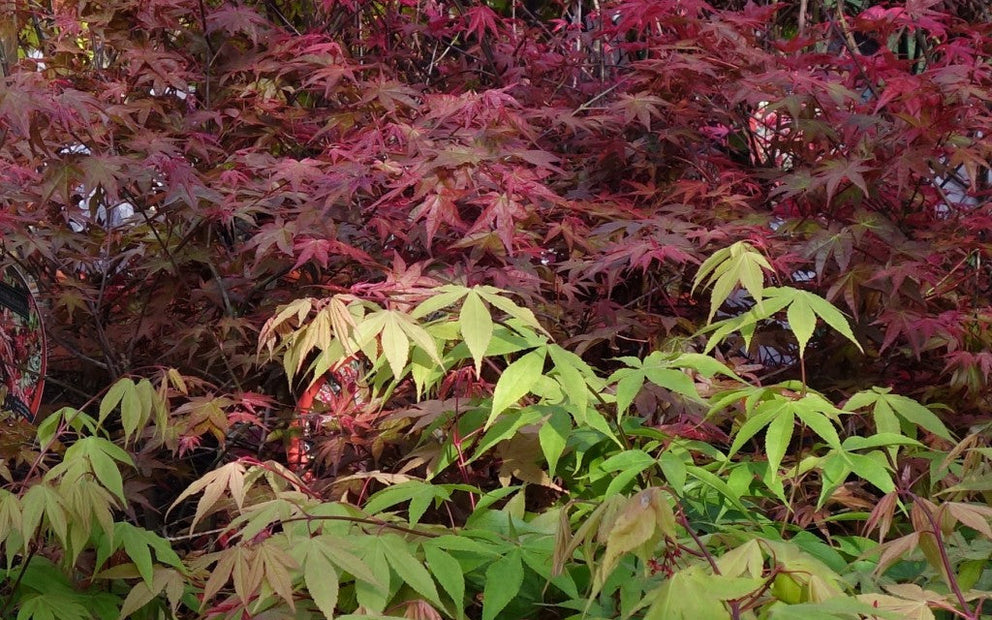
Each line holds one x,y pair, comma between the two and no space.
657,368
872,467
744,559
802,311
138,544
517,380
975,516
447,572
249,568
45,592
476,327
726,269
409,569
395,331
887,407
832,172
819,414
167,580
229,477
75,419
779,413
97,456
420,495
804,308
504,578
695,593
337,550
745,323
53,607
268,336
134,400
277,568
449,294
504,428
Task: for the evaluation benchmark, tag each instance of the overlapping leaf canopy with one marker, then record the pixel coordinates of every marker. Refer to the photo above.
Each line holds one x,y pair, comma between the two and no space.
175,169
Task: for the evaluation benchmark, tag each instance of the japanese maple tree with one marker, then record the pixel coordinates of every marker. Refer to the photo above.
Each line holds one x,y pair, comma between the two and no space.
219,199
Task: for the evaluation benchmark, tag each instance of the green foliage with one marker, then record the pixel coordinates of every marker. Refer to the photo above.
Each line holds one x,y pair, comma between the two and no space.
650,522
390,310
737,265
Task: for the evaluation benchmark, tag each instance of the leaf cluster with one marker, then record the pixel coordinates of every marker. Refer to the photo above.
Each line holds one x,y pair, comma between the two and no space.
397,309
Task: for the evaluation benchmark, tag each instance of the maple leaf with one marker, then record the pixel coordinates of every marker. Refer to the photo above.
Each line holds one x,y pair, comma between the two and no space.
919,331
501,213
832,172
298,174
640,106
389,93
836,242
481,19
230,477
238,19
436,209
320,251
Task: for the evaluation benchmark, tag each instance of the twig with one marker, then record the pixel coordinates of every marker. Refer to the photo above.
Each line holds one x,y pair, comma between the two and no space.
211,55
17,582
588,104
852,47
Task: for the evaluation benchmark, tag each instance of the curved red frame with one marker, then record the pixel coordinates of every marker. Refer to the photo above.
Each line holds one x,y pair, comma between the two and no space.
297,453
23,345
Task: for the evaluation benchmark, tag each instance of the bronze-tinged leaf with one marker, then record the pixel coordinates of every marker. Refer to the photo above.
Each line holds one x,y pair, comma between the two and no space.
421,610
221,572
882,514
907,609
974,516
563,547
820,589
277,565
892,551
636,528
212,485
923,520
